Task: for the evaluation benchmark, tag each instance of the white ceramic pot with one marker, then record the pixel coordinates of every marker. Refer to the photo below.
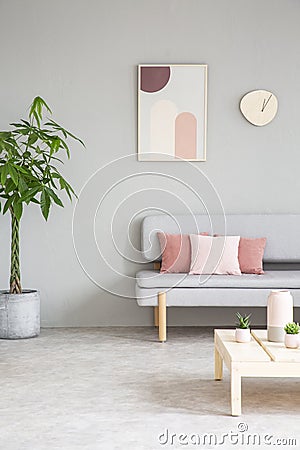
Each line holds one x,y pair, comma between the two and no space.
242,335
279,313
291,340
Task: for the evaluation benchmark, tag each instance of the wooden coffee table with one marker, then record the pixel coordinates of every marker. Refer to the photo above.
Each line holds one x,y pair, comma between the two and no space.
258,358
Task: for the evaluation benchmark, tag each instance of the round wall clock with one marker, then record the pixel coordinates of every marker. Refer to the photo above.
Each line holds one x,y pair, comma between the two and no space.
259,107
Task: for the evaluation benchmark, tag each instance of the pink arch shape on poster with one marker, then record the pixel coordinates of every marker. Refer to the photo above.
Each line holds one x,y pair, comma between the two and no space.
186,136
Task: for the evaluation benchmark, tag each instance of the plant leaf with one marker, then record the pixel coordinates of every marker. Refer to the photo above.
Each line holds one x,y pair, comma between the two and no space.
66,147
45,203
42,101
52,194
32,138
22,185
9,186
36,116
8,203
18,208
30,194
55,144
36,109
4,135
54,124
34,200
13,173
4,173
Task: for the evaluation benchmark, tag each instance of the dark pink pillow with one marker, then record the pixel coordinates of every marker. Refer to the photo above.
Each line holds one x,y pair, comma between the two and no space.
251,252
176,252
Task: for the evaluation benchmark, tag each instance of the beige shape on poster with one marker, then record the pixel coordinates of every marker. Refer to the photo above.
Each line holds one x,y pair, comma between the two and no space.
162,127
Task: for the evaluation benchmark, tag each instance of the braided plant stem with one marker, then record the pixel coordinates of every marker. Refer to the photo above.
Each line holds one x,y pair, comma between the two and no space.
15,283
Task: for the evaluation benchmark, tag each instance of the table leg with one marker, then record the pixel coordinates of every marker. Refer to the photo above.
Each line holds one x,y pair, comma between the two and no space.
236,391
218,365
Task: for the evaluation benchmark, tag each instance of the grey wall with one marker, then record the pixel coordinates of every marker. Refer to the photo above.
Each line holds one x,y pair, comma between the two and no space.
82,57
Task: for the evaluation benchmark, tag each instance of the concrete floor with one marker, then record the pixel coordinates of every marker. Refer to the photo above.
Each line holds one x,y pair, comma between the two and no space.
118,388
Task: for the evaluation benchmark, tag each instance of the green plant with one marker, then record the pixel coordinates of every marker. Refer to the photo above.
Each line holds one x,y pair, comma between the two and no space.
243,321
292,328
29,174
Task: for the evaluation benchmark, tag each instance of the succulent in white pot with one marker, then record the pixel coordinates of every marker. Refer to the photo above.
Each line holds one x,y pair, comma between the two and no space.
292,337
242,331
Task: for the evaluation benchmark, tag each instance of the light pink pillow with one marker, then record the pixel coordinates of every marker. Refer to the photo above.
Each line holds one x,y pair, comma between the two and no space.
251,252
214,255
176,252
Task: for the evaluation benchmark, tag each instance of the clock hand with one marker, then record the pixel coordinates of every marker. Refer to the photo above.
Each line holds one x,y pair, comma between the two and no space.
267,102
263,105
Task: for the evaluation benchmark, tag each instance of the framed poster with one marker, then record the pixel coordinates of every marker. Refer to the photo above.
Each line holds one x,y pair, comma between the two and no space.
172,112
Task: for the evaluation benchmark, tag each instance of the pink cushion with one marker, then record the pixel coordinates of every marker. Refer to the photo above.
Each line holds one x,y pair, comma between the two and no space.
214,255
176,252
251,252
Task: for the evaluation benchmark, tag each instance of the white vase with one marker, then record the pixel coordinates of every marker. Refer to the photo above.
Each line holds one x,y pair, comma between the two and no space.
291,340
279,313
242,335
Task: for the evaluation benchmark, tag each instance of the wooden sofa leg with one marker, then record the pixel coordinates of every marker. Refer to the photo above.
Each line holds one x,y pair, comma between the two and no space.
162,317
155,316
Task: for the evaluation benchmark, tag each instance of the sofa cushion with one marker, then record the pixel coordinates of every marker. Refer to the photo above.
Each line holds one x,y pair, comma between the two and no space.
214,255
176,252
251,252
275,279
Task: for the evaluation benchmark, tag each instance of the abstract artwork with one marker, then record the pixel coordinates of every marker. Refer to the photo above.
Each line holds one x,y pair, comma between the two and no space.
172,104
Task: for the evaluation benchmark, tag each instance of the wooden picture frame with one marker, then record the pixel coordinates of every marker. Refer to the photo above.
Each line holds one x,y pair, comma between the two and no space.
172,112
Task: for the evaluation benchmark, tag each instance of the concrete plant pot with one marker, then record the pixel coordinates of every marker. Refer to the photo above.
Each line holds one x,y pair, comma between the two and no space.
19,315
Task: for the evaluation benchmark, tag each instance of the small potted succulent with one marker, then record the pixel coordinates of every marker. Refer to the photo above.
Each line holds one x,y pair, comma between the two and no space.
291,339
242,332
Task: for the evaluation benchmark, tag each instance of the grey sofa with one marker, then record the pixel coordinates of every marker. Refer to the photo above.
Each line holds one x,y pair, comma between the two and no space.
282,258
